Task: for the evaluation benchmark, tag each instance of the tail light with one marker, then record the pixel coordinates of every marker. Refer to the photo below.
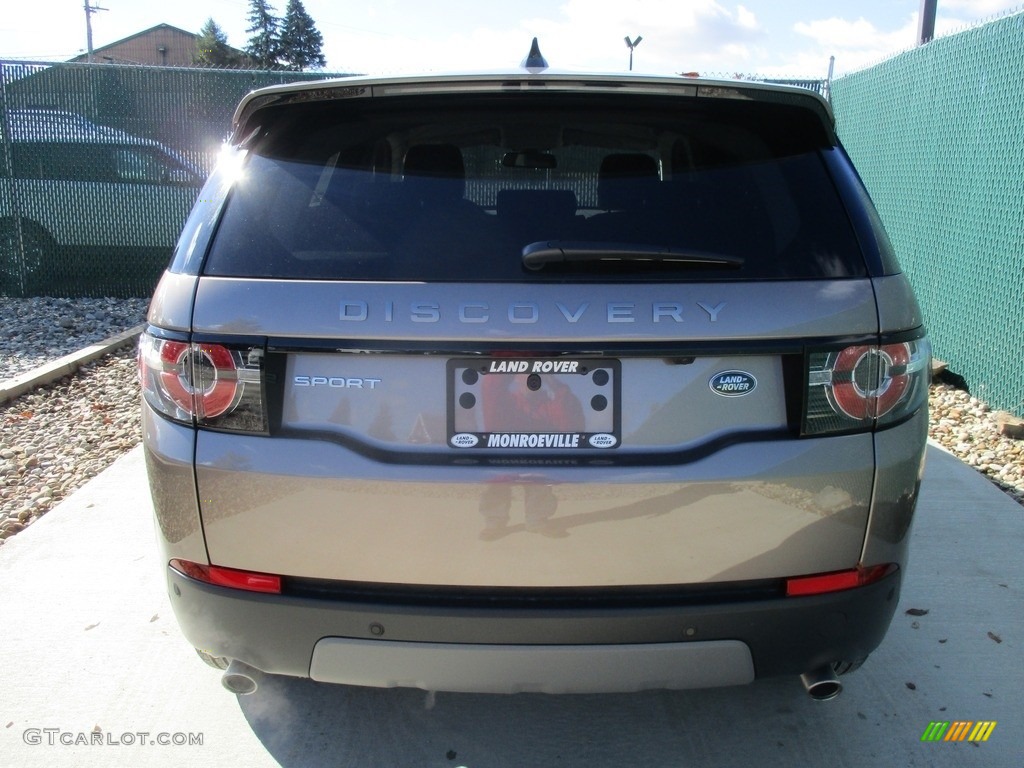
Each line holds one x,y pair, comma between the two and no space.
836,581
210,385
251,581
866,386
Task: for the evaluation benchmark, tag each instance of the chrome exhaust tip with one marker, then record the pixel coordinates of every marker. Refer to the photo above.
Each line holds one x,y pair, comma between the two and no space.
240,678
822,684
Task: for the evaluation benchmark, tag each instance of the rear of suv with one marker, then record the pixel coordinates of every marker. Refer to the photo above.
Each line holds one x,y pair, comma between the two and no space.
534,381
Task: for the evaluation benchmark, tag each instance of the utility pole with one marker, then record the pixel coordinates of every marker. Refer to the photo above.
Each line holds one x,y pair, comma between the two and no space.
632,44
926,27
89,11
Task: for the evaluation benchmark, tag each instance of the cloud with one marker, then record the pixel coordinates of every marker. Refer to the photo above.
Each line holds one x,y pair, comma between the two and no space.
708,36
978,9
581,34
745,17
844,34
856,43
588,34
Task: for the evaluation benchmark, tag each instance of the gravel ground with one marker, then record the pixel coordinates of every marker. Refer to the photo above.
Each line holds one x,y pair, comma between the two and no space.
967,428
36,331
53,440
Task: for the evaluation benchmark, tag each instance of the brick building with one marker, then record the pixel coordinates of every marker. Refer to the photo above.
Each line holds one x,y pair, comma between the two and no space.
162,46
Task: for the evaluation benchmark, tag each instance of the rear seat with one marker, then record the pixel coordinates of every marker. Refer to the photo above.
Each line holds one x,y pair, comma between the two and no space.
626,184
529,215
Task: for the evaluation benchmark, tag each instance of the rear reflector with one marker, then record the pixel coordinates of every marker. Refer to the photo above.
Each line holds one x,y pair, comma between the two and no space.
229,577
836,581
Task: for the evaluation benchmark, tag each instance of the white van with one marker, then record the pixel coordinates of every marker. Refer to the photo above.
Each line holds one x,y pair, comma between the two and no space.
72,190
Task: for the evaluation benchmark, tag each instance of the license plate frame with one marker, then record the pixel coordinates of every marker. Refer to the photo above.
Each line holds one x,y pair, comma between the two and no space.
534,403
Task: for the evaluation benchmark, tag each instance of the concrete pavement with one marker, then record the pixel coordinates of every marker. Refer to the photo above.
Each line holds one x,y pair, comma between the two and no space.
90,654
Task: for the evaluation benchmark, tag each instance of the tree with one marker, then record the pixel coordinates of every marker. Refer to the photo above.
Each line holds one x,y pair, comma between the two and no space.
301,43
212,47
264,46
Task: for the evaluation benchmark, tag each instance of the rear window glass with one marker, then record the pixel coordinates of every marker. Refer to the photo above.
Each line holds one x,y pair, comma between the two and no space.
610,187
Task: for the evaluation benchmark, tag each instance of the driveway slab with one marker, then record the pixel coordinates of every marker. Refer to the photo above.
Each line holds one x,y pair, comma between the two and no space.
93,670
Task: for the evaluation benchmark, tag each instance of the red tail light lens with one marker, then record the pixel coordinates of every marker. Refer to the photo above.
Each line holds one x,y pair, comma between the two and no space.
864,386
218,373
250,581
206,384
836,581
869,381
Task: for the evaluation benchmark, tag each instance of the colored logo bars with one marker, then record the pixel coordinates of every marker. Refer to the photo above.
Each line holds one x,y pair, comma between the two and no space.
959,730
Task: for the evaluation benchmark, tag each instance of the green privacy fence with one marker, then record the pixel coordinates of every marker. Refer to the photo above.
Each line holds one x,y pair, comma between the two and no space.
938,136
99,166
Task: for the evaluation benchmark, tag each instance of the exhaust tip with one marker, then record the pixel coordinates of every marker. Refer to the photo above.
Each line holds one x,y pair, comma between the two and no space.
822,684
240,678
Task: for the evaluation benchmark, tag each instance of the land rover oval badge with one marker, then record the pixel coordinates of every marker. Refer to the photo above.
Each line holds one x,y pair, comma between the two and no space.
732,383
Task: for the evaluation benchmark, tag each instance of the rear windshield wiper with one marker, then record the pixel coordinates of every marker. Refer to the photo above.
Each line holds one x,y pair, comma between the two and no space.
536,255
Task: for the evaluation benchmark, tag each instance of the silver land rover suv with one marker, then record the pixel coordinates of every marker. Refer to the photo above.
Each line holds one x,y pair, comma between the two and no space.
534,381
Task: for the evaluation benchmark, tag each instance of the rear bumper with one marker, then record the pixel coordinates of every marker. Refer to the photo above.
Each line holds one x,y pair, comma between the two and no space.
503,650
473,668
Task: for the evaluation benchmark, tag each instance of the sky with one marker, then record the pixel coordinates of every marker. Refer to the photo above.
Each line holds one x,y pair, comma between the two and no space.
772,38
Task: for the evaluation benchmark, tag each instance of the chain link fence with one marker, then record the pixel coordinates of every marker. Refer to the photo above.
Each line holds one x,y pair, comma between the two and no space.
99,167
938,136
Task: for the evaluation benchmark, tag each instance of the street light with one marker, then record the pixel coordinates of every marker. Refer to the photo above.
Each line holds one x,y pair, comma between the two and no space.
632,44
